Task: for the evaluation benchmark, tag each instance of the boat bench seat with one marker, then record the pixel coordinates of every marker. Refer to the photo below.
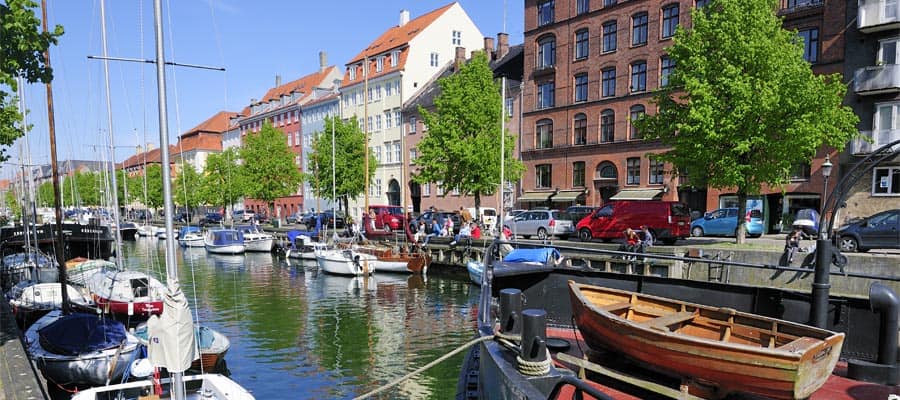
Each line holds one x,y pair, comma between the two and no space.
666,320
799,344
612,307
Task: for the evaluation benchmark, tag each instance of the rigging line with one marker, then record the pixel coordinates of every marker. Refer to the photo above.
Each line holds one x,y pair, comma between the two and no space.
215,25
171,37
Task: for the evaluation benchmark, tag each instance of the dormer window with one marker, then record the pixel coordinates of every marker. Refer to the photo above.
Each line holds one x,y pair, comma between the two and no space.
379,64
352,71
395,58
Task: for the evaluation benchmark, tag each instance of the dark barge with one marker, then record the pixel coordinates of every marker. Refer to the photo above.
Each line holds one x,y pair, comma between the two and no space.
88,241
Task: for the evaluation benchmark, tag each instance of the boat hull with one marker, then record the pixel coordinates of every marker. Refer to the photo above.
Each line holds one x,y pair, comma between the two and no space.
193,242
262,245
475,270
342,262
225,249
677,343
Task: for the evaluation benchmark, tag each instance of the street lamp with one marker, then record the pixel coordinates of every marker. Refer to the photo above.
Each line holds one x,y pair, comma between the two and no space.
826,172
818,312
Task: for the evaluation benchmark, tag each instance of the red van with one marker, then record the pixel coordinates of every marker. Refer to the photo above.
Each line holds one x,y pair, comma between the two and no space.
668,220
389,218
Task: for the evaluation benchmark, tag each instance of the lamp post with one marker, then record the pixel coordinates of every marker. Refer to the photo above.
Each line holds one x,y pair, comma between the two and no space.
821,280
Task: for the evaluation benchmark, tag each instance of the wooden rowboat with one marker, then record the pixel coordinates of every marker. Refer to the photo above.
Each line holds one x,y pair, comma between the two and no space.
729,350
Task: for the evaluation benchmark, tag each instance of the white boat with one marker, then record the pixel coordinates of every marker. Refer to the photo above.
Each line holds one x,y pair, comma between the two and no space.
476,270
31,301
69,350
146,230
303,246
255,239
224,241
190,236
346,262
126,293
210,386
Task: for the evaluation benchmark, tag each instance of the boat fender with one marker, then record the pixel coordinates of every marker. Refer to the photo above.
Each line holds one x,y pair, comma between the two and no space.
511,311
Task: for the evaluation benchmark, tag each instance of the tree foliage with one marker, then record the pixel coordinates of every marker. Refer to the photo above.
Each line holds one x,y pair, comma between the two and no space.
268,166
80,189
742,106
186,188
152,197
222,179
349,164
45,195
13,204
22,55
460,148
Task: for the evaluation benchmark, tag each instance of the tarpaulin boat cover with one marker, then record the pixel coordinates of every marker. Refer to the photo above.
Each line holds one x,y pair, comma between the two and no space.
77,334
172,344
541,255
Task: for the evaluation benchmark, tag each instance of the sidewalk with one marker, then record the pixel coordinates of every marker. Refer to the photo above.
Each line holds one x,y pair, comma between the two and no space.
18,380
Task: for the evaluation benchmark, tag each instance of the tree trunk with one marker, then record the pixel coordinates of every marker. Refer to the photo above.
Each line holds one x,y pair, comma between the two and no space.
741,236
477,215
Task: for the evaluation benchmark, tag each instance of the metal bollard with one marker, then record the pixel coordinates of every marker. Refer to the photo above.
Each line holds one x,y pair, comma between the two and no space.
511,311
534,333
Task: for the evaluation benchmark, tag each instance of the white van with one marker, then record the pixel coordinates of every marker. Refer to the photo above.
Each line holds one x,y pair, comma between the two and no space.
488,217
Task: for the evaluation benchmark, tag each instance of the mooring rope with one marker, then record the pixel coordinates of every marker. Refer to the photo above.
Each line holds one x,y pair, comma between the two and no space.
534,368
425,367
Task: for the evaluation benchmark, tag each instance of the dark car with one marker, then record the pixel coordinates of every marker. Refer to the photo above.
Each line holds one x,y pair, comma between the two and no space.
328,219
211,218
294,218
576,213
879,231
427,217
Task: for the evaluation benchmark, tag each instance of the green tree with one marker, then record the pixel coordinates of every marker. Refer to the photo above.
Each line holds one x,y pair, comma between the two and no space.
222,179
12,202
743,106
45,195
153,195
461,147
187,188
122,182
268,166
22,53
349,163
87,188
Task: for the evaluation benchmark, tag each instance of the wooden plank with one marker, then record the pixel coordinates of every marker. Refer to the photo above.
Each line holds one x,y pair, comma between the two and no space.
671,319
641,383
616,306
799,345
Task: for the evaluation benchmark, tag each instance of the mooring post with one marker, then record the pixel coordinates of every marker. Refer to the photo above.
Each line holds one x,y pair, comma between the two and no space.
511,311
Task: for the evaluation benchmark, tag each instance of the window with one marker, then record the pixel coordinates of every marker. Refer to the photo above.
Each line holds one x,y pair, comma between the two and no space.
886,181
702,3
457,38
581,87
397,118
545,12
607,126
378,153
666,67
609,36
352,72
413,154
397,150
397,86
434,59
546,52
378,186
887,124
426,189
546,94
379,64
290,140
607,3
544,134
388,155
580,131
800,172
888,51
669,20
388,90
606,170
395,58
509,106
387,119
581,44
608,83
377,122
639,29
542,177
810,44
412,125
633,171
378,92
297,138
583,7
801,3
371,123
639,76
578,174
371,94
636,112
440,188
656,172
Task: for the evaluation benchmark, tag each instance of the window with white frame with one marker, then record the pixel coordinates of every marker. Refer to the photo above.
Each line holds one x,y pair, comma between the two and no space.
886,128
388,89
297,138
439,188
397,153
657,169
457,38
352,72
371,94
455,191
378,153
412,125
426,189
379,64
397,86
377,123
434,59
633,171
886,181
370,123
388,122
389,156
395,58
888,51
297,160
378,186
413,154
296,115
509,106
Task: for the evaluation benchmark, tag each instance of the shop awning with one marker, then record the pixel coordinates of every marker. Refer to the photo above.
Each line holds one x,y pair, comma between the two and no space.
638,194
534,196
568,195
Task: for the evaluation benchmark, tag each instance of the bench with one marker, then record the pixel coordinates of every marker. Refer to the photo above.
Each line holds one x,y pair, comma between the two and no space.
665,321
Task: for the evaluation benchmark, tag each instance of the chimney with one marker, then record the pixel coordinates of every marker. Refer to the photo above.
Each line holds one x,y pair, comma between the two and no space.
139,149
150,146
323,61
502,45
489,47
404,17
277,80
460,58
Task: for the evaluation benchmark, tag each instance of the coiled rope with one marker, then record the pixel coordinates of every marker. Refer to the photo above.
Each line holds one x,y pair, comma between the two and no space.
534,368
425,367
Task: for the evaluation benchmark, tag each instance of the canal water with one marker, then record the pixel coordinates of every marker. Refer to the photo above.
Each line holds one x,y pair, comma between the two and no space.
297,333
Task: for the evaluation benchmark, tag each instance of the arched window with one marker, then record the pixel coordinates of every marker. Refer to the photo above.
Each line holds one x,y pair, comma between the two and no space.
582,47
543,133
637,111
546,54
606,171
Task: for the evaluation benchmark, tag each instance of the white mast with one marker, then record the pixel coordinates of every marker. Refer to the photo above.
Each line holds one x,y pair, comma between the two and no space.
114,191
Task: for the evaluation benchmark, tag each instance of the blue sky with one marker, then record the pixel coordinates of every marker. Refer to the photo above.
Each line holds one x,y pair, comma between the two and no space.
253,40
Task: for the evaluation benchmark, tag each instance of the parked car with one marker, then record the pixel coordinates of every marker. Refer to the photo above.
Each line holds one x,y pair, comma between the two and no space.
427,217
211,218
879,231
242,215
576,213
723,222
328,219
488,217
668,220
389,218
294,218
541,223
512,214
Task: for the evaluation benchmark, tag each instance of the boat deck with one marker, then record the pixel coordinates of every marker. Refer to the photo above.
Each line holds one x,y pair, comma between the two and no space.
618,371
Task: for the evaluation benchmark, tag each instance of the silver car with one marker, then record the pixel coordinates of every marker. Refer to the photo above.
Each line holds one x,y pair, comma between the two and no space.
541,223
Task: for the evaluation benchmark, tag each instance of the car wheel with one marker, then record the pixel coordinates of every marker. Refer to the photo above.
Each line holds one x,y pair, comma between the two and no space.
585,235
387,228
849,244
697,231
542,234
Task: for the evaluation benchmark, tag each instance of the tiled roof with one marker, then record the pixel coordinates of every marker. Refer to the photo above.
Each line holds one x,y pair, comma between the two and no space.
152,157
4,184
199,141
306,85
393,38
323,99
217,124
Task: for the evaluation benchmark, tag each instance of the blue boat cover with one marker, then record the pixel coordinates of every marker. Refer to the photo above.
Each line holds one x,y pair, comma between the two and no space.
187,229
76,334
540,255
313,233
226,237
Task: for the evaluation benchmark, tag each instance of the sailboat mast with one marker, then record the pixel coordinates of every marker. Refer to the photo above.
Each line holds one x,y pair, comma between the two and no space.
366,99
112,148
171,267
57,203
502,148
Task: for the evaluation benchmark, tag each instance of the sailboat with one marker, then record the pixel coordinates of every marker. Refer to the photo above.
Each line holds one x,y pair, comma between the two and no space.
171,334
